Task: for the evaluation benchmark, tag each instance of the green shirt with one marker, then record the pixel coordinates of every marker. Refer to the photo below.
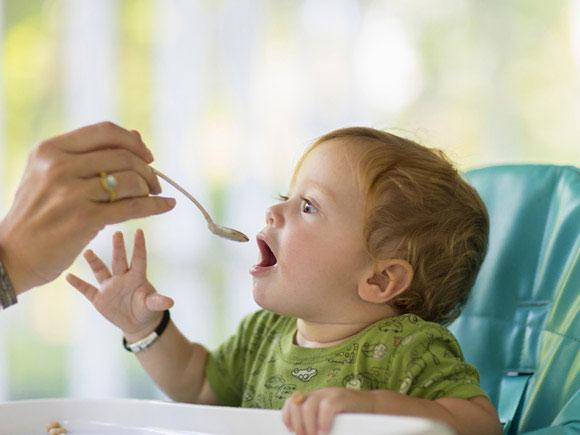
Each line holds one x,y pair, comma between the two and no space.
260,366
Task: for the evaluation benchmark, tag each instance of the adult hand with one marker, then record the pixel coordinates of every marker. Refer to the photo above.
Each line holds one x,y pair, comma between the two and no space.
314,413
60,204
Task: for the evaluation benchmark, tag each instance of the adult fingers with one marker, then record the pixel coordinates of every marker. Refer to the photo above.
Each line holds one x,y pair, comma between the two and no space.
132,208
119,265
135,132
98,136
129,185
113,160
139,259
86,289
99,268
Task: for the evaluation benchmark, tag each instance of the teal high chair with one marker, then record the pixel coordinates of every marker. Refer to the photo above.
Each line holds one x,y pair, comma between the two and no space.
521,326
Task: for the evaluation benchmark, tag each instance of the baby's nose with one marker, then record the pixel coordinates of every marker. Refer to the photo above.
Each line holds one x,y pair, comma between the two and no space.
269,216
273,216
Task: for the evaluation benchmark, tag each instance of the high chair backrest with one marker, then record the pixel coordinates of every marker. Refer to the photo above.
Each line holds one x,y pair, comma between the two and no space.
521,326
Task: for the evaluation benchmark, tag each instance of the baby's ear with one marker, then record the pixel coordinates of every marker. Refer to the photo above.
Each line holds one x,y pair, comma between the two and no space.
386,280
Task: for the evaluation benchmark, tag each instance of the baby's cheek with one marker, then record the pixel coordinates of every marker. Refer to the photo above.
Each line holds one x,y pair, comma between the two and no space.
305,256
319,269
318,259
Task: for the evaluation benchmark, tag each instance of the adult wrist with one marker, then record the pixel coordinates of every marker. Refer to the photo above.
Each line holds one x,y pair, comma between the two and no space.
7,292
9,287
15,272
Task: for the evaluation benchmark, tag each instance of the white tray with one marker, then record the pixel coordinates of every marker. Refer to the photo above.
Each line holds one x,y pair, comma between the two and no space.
145,417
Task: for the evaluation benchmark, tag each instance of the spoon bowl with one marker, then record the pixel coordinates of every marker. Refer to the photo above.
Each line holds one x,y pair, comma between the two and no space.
225,232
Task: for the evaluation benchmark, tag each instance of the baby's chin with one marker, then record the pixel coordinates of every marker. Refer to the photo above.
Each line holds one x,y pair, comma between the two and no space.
275,306
261,298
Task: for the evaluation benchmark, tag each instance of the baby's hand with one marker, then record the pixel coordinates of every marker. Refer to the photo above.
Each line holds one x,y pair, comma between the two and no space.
312,414
126,297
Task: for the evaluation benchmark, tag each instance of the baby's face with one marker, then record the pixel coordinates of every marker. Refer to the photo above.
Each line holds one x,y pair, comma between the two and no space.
316,242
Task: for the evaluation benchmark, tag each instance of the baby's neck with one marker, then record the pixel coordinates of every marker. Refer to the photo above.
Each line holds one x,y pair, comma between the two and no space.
310,334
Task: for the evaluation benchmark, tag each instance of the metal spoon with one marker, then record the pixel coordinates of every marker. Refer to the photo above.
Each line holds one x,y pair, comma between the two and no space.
225,232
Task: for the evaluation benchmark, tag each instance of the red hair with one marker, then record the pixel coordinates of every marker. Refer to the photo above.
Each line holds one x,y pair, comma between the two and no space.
417,208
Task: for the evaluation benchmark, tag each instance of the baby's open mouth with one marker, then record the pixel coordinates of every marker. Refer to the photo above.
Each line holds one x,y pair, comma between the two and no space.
268,257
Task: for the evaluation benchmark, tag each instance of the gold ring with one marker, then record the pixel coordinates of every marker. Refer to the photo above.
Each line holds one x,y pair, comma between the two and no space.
109,183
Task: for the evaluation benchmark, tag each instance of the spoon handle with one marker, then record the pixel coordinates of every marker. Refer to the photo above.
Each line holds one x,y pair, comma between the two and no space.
186,193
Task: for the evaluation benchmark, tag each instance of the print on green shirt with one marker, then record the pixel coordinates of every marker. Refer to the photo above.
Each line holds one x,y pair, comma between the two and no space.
260,366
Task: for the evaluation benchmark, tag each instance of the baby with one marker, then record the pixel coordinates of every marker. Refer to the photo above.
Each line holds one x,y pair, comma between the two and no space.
373,251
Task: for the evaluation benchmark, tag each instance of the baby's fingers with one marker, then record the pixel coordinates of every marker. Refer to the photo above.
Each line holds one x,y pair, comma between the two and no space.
99,268
296,421
88,291
309,414
119,255
157,302
327,411
286,415
139,260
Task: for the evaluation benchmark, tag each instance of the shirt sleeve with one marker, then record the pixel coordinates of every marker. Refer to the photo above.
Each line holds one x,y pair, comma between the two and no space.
228,366
430,365
225,365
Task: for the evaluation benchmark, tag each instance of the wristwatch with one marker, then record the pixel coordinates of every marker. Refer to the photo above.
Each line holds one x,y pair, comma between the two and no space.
7,292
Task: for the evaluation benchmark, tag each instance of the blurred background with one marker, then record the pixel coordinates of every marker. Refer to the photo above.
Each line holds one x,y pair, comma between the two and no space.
228,94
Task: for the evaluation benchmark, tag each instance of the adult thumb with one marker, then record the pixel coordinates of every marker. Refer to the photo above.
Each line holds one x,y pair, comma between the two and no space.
133,208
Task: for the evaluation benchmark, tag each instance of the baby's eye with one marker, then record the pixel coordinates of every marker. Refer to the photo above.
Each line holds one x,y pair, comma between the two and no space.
307,207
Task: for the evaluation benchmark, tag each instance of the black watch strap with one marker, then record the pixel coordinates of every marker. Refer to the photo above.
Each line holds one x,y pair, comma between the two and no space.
151,338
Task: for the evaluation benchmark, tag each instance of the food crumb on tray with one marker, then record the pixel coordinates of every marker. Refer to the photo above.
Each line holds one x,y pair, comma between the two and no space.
55,428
